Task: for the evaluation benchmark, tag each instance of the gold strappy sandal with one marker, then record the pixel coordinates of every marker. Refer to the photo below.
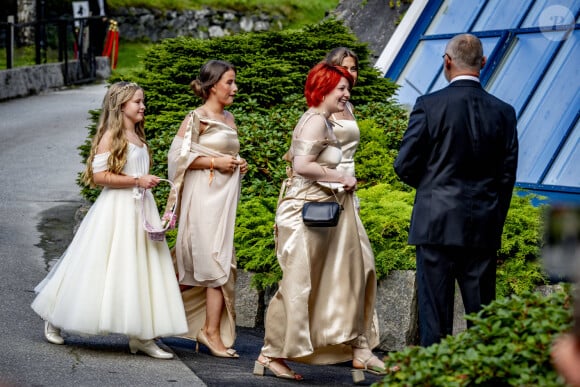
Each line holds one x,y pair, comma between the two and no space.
358,375
260,369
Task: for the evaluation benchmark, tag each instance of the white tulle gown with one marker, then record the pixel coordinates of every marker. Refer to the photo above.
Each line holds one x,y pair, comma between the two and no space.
112,278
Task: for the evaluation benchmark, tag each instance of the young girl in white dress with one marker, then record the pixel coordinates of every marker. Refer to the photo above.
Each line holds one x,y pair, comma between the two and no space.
112,278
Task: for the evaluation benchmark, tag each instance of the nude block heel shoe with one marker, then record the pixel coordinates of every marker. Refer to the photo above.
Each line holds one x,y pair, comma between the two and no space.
260,370
358,376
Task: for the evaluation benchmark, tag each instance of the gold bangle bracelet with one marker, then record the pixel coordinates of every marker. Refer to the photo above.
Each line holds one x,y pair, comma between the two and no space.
211,163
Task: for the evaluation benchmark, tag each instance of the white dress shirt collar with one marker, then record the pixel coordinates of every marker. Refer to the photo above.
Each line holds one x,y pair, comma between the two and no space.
465,77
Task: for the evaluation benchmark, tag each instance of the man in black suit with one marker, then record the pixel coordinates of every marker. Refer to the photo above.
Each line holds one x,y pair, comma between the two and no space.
460,152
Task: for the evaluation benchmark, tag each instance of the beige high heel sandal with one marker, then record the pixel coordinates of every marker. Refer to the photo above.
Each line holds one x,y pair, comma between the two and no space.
260,369
358,375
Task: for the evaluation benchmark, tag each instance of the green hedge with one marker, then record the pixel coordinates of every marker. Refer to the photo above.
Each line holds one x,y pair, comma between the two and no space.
508,345
271,70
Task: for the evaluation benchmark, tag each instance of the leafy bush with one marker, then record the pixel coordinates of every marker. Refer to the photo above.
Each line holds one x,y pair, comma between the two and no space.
271,67
271,70
254,238
386,214
519,266
508,345
375,155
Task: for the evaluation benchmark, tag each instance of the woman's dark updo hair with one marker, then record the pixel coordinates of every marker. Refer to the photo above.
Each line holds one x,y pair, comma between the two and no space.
210,74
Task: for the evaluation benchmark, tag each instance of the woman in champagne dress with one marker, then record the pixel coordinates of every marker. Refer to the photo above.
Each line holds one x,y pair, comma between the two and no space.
204,164
319,315
348,134
112,278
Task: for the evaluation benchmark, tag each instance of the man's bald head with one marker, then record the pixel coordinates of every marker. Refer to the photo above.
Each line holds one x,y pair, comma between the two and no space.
466,51
463,56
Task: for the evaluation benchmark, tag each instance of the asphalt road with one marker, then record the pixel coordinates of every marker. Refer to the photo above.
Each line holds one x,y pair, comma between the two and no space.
39,163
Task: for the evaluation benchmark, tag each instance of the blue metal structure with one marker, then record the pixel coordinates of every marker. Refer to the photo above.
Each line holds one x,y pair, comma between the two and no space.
533,50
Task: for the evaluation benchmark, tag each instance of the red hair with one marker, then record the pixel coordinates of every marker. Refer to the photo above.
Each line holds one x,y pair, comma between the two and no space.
321,80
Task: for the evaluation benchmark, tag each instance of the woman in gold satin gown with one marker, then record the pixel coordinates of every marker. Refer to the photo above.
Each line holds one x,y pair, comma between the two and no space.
204,164
320,313
348,134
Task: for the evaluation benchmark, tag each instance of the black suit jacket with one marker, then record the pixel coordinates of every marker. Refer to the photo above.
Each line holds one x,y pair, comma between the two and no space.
460,152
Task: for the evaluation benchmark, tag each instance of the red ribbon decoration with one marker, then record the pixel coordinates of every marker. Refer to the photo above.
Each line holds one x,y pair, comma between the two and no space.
111,48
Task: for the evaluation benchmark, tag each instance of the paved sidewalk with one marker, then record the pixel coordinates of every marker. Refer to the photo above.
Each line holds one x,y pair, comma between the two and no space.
238,372
39,163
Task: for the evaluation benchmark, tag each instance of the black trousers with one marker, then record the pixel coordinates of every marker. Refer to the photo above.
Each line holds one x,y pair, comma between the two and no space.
438,267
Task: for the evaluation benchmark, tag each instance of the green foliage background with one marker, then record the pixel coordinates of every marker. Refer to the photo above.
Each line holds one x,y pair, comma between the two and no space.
510,340
271,70
508,345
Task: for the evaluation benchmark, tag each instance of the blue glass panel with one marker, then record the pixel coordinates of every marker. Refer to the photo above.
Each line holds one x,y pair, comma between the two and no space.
550,112
501,15
547,13
566,167
524,63
425,64
455,16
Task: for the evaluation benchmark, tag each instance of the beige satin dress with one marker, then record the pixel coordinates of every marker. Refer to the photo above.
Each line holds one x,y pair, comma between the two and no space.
204,249
347,133
324,304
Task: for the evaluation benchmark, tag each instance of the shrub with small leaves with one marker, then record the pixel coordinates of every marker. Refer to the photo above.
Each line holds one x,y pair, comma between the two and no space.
519,267
508,345
271,70
386,214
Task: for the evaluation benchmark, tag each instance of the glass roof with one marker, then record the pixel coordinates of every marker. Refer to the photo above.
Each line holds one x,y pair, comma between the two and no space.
533,50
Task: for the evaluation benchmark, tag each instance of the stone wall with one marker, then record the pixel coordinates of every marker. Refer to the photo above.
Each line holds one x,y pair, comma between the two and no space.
27,80
154,25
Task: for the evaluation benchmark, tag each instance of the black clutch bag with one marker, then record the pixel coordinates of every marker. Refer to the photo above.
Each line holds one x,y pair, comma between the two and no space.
321,214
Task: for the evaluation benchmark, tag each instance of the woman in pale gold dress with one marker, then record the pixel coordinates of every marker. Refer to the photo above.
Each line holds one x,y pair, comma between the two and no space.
204,164
348,134
319,315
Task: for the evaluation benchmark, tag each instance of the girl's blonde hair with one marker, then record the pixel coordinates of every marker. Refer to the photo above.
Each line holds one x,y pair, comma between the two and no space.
111,119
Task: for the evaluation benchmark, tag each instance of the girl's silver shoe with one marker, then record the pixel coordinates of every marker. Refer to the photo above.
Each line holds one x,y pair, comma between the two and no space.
149,347
52,334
